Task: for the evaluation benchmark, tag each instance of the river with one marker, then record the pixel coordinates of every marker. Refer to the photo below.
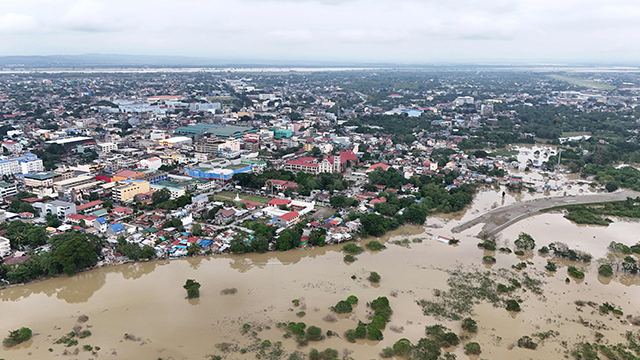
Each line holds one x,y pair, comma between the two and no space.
147,301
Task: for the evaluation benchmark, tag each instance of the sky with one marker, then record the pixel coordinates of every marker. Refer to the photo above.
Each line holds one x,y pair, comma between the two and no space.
365,31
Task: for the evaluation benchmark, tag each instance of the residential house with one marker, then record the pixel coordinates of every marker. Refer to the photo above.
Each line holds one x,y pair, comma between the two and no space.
116,229
224,215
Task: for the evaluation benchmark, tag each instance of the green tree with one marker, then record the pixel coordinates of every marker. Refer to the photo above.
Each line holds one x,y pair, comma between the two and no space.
52,220
342,307
402,347
374,277
161,196
605,270
470,325
285,241
426,349
193,249
314,333
196,230
260,244
72,251
512,305
107,204
193,289
525,242
374,333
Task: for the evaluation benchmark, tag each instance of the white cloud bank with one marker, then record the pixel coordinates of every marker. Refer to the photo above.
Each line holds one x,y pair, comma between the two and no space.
329,30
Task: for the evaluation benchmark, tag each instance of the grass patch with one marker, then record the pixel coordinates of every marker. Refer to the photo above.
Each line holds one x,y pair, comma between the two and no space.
591,84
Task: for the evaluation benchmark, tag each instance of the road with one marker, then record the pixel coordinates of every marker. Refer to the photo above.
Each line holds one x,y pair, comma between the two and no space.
499,218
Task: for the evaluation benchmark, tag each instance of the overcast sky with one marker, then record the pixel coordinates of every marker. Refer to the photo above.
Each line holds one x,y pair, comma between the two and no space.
420,31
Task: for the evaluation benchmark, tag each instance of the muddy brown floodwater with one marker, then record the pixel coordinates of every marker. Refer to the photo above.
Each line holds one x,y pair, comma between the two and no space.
147,301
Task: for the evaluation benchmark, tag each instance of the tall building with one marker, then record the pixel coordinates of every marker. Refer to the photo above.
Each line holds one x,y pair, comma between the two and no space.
486,109
25,164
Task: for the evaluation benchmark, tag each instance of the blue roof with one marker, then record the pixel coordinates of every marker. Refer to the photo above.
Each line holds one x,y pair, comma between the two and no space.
101,220
117,227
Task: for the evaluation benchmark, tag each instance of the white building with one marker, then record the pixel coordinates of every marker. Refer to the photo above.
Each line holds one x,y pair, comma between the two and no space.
5,246
152,163
26,164
107,147
158,135
7,190
486,109
12,146
176,141
461,100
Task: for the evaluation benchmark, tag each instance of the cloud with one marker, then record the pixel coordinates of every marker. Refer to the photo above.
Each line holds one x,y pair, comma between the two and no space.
90,16
13,23
368,30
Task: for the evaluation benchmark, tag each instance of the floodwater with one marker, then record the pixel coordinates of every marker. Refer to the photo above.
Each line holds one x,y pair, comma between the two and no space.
147,301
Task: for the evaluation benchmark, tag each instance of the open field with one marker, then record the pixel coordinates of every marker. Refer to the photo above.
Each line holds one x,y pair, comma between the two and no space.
583,82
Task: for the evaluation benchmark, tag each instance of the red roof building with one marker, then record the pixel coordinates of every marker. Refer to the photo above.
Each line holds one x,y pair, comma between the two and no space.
376,166
278,202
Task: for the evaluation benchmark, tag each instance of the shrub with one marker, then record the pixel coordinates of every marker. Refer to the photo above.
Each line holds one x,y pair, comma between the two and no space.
512,305
349,258
386,353
402,347
489,260
352,249
470,325
527,343
350,335
342,307
328,354
617,247
605,270
488,245
562,250
374,277
17,336
360,332
444,338
543,250
505,249
375,245
314,333
374,333
472,348
352,299
573,271
551,266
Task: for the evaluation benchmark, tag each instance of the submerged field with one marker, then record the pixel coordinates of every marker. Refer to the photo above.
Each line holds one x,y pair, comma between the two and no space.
139,311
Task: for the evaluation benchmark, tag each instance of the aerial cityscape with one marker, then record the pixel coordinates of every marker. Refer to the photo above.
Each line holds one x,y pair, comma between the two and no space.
304,193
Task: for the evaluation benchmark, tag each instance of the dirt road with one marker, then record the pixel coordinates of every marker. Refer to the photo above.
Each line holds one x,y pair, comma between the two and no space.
499,218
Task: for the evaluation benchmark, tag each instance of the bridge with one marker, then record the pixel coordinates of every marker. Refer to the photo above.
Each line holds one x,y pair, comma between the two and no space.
501,217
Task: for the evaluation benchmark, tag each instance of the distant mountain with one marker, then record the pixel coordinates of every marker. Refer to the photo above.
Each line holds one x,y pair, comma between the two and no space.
104,60
112,60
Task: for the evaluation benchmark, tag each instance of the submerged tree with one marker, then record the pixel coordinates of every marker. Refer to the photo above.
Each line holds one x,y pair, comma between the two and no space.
193,289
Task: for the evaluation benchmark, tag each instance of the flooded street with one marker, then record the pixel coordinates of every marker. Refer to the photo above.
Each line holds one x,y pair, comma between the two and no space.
147,301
